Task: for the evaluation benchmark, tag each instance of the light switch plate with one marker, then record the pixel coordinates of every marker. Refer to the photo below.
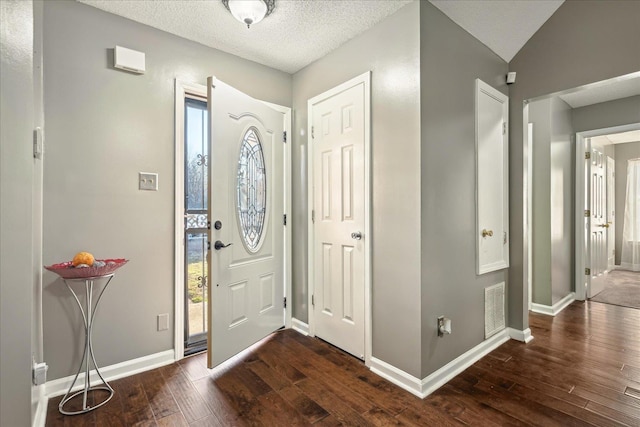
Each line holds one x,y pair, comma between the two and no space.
163,322
148,181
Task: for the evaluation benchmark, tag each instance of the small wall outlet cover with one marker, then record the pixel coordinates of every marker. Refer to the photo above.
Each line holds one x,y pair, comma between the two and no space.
163,322
148,181
40,373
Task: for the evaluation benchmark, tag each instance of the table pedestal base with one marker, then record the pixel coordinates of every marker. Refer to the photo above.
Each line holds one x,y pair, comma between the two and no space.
88,392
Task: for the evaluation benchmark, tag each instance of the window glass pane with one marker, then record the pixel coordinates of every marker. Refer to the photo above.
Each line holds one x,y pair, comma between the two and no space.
252,190
196,154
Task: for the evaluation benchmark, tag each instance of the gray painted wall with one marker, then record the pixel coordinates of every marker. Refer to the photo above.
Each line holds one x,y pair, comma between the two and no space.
623,152
607,114
390,50
553,200
16,180
540,117
450,60
103,127
564,53
562,155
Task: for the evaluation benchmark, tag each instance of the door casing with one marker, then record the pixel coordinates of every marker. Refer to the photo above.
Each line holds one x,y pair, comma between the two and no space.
181,89
364,79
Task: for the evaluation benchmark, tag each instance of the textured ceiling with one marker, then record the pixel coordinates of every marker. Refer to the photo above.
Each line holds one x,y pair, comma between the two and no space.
300,31
297,33
502,25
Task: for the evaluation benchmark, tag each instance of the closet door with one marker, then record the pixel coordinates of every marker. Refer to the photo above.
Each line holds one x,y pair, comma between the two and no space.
492,168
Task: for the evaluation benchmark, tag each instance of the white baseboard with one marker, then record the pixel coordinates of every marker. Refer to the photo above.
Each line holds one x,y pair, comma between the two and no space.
555,308
113,372
397,376
426,386
40,417
299,326
518,335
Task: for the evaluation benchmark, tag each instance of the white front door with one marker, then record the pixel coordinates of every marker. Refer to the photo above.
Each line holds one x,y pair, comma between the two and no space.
339,236
611,213
598,222
246,193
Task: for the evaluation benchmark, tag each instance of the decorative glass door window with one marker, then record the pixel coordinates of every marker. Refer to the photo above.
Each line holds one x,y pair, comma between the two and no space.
251,190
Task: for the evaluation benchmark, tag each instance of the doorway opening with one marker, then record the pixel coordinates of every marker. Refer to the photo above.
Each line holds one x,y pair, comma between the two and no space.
191,221
196,158
609,191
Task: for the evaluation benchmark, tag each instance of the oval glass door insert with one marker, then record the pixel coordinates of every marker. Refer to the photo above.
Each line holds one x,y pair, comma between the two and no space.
252,190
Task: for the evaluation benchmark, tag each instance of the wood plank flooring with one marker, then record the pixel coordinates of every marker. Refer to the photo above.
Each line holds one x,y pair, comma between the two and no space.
582,368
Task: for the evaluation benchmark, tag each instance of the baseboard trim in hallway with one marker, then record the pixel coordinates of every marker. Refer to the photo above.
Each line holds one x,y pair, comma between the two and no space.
424,387
113,372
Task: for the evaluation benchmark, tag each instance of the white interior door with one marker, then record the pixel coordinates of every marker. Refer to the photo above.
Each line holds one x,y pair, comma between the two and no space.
611,213
597,222
246,209
339,236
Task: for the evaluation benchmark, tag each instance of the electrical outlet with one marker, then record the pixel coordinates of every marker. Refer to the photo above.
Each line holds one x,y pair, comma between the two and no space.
148,181
163,322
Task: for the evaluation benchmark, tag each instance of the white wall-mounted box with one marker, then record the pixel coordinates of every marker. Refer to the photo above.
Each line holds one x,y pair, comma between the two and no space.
129,60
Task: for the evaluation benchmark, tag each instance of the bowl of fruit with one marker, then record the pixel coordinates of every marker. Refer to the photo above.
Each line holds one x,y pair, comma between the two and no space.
84,265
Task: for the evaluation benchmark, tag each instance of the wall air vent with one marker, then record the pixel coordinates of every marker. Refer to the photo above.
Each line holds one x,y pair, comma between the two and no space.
494,320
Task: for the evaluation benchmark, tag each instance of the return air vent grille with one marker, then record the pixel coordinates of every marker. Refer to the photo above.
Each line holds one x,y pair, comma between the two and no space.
493,309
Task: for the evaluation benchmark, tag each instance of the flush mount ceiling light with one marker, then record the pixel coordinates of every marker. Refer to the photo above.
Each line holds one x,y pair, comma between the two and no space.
250,11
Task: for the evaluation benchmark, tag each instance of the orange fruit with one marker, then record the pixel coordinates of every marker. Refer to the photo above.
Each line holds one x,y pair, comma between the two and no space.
83,258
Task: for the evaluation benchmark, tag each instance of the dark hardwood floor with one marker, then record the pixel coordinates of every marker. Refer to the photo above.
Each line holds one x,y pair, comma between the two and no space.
582,368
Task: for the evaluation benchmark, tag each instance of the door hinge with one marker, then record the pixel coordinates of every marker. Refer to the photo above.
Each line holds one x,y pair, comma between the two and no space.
38,143
587,213
313,302
284,219
587,272
587,155
208,225
285,302
284,136
313,216
312,133
504,128
208,246
504,238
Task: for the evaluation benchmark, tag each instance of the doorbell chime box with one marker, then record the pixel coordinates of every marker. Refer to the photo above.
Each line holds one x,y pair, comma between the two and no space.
129,60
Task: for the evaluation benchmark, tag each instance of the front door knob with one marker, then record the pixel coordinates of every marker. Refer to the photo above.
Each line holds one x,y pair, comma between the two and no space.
356,235
219,245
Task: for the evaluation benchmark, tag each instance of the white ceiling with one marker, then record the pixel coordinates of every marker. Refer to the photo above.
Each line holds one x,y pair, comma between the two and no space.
299,32
603,92
617,138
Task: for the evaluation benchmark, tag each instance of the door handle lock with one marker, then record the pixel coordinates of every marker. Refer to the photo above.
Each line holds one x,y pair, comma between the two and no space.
356,235
487,233
219,245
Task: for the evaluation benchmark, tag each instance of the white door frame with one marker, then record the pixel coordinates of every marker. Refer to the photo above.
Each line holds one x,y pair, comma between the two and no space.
364,79
581,262
183,88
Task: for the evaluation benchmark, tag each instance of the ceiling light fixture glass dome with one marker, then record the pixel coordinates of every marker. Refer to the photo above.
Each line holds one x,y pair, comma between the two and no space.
250,12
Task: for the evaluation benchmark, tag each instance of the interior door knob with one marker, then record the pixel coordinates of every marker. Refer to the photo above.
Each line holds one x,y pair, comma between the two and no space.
356,235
